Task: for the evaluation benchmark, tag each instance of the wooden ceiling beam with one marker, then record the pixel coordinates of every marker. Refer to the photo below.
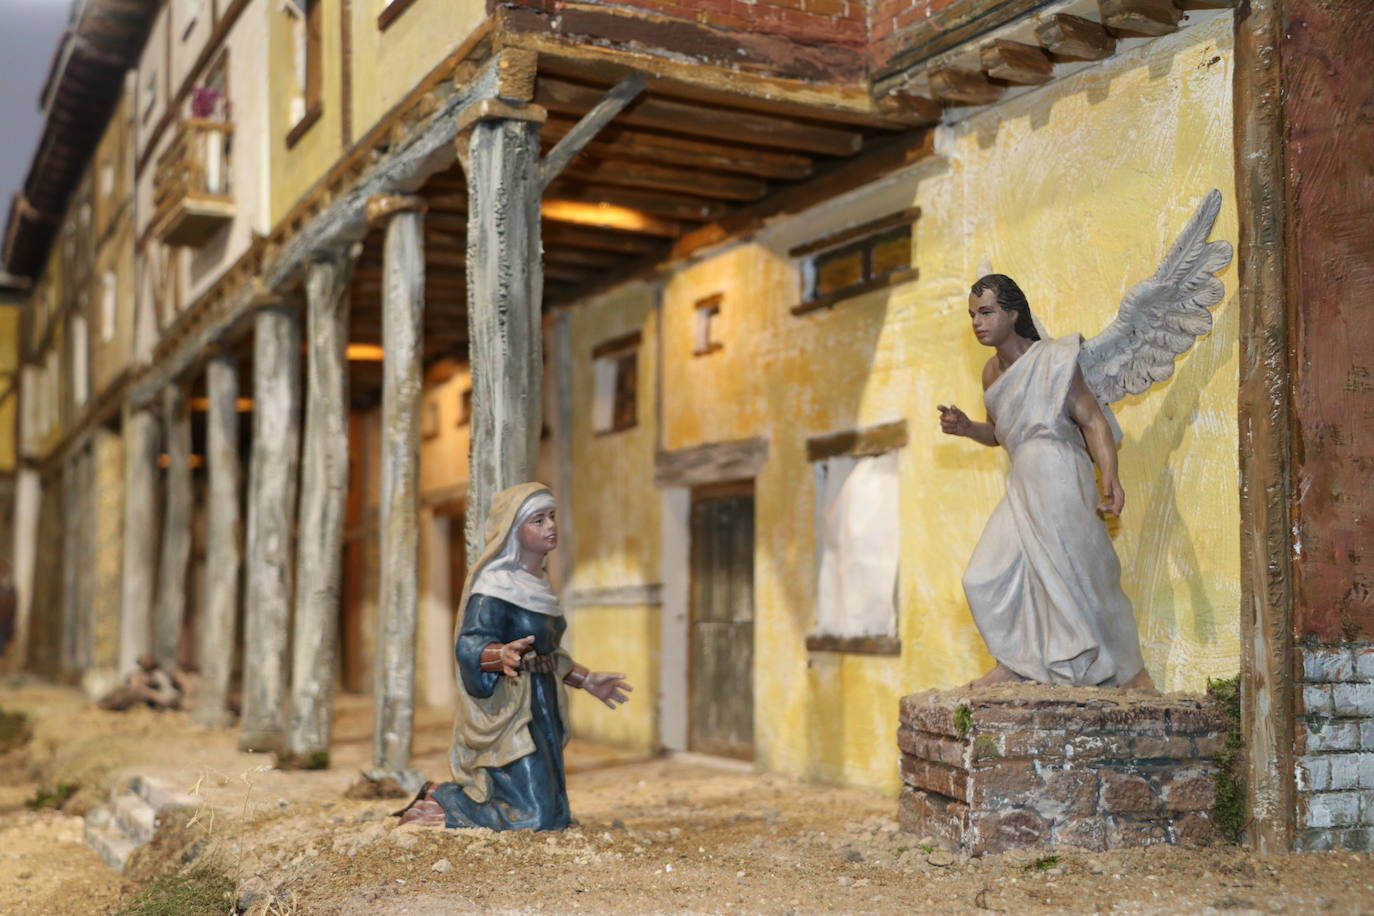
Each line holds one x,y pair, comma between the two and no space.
563,234
704,121
671,206
626,173
618,141
1075,38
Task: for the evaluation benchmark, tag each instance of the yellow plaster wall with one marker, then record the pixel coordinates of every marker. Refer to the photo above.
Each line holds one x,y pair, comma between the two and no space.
388,64
616,522
293,171
1075,189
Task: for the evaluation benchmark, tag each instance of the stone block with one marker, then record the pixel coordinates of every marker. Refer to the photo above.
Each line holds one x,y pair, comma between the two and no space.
940,748
1364,662
1315,839
1316,699
1190,792
930,776
1128,833
1193,829
923,814
1365,767
1192,718
1206,747
1353,700
1314,774
1330,735
1014,828
1126,793
1345,771
1367,735
1327,664
1333,809
1003,782
1174,747
920,711
1088,833
1068,793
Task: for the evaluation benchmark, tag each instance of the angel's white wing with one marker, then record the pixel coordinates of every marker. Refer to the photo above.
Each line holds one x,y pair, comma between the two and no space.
1160,317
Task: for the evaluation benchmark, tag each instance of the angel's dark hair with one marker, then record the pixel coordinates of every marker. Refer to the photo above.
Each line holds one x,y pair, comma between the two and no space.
1010,298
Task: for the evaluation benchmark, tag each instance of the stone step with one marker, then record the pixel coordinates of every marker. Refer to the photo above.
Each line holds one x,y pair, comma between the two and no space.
158,793
135,817
104,836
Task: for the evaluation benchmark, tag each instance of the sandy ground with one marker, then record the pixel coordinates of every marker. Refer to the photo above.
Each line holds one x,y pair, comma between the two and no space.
666,835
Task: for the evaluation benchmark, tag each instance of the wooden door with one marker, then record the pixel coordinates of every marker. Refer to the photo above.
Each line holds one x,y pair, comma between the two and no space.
721,652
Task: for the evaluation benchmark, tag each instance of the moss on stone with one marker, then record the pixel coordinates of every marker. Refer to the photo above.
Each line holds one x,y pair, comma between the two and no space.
1228,812
963,720
985,746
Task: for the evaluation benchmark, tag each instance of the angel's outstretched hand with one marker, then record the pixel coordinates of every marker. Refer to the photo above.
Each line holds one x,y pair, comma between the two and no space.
1113,497
609,687
954,421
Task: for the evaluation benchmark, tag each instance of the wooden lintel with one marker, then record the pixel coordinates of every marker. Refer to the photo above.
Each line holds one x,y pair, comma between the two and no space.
1014,62
963,87
572,143
713,462
1075,38
1140,17
497,109
892,220
871,440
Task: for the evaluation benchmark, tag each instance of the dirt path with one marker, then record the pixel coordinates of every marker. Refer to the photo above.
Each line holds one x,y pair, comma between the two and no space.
670,835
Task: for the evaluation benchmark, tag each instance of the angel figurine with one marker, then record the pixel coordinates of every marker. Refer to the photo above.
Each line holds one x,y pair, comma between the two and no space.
1044,583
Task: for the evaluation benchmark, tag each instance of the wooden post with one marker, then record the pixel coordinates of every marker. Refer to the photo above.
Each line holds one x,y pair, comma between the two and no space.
70,635
1266,556
505,288
176,527
140,537
271,512
223,554
324,489
403,299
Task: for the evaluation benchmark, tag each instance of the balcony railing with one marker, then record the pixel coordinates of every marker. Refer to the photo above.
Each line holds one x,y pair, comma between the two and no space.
192,194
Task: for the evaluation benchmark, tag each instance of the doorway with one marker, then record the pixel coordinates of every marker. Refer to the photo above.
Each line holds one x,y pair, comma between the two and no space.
721,626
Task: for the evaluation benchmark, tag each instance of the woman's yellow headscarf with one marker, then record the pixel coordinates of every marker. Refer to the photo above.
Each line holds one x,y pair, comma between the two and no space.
492,731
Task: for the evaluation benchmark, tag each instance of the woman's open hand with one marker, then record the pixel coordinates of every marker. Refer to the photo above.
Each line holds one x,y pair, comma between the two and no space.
607,687
512,653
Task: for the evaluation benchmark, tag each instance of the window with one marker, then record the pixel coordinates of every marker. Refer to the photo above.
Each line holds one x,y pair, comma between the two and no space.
858,539
615,367
107,180
864,258
81,374
307,36
109,303
465,406
705,333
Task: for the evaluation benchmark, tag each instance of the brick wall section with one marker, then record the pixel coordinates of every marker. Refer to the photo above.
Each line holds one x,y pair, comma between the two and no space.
1057,766
892,22
1335,747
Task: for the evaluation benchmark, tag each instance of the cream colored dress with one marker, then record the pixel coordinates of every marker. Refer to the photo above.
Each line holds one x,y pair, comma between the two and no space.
1044,582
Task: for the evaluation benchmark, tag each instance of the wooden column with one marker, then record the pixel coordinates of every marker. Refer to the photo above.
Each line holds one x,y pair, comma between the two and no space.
403,298
223,553
1266,611
505,288
271,513
140,537
70,635
176,527
324,489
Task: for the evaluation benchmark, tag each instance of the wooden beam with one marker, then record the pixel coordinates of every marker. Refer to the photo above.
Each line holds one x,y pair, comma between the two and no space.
175,561
963,87
580,214
1014,62
139,571
671,206
1264,407
564,272
1075,38
666,178
618,141
916,110
580,256
223,555
620,95
698,120
1140,17
565,235
954,25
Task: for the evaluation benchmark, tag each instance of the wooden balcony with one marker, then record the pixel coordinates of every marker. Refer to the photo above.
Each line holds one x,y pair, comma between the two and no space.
192,193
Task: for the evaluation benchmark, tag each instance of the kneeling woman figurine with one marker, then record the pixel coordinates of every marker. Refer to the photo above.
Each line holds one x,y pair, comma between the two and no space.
511,723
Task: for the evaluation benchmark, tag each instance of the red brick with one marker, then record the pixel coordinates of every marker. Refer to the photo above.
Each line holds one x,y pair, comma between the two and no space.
910,16
935,777
726,21
1125,793
1190,793
1074,791
881,30
831,8
1018,828
1003,717
949,751
1084,832
932,815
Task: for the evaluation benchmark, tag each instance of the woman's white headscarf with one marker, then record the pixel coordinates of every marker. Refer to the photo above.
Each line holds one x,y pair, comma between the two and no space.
506,579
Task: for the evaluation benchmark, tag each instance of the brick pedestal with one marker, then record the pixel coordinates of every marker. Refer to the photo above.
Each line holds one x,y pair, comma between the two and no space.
1026,766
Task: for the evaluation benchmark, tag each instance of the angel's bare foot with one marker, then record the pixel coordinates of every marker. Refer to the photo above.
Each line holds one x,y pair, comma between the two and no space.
998,675
1142,682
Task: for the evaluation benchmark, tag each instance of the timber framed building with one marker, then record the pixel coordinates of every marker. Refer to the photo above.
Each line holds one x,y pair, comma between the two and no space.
696,264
